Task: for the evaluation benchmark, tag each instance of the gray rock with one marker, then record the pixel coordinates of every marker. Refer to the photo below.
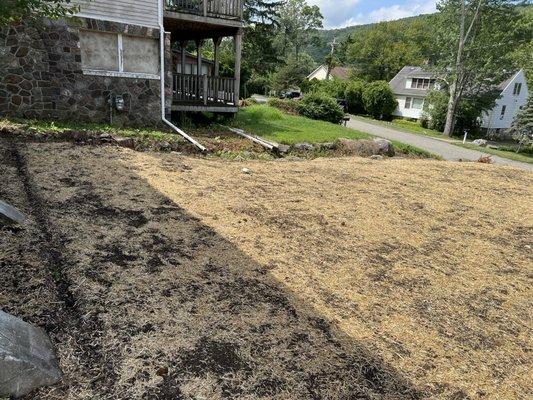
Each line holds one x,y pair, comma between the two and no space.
27,360
328,146
283,149
480,142
385,147
246,171
10,215
304,147
376,157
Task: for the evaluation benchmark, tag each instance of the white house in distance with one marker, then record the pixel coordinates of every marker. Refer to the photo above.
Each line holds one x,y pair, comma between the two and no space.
321,72
412,84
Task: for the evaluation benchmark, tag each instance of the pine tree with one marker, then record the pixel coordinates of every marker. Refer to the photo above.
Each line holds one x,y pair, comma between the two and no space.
522,128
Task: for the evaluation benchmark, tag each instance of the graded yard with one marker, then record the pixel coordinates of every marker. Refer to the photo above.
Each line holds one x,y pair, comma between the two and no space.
160,276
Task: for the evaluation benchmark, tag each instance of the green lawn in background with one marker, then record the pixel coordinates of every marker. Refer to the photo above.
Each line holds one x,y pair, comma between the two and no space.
273,124
404,125
511,155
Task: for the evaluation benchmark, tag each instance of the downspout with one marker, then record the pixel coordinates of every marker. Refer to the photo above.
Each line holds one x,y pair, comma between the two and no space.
162,79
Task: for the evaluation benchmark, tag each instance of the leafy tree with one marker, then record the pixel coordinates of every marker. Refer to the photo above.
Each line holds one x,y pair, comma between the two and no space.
474,38
354,96
381,50
469,111
292,74
17,10
522,128
298,23
378,99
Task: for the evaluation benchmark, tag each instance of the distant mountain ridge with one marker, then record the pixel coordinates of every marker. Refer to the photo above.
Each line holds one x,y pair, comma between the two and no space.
320,49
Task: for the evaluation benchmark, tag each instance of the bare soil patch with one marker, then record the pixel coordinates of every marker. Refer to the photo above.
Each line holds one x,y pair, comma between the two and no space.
160,276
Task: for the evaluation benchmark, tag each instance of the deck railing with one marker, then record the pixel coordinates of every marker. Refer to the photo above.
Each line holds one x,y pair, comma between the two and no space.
230,9
203,89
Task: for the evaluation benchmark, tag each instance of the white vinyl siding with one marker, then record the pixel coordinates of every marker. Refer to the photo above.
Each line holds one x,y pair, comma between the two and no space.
507,106
136,12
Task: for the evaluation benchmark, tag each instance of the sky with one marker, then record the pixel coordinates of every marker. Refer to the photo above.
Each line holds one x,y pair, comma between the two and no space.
341,13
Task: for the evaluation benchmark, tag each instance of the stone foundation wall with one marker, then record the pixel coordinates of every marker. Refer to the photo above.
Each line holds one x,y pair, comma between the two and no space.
41,76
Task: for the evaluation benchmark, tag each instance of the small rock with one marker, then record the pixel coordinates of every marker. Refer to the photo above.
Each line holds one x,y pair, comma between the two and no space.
10,215
385,147
162,371
304,147
106,137
165,146
246,171
376,157
27,359
283,149
480,142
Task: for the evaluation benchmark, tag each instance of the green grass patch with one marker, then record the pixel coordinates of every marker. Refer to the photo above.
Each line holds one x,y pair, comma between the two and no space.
273,124
52,127
405,126
509,154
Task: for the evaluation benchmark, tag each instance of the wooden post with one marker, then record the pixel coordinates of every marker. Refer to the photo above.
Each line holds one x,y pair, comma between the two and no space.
238,51
205,8
183,45
199,44
216,41
206,92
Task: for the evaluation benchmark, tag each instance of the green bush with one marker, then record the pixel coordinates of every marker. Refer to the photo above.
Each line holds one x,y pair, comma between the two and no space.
378,99
287,105
320,106
354,96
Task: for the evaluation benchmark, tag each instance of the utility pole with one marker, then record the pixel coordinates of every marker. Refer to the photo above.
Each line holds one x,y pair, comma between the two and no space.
329,60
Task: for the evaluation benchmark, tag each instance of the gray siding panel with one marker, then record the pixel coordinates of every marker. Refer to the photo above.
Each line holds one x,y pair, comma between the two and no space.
137,12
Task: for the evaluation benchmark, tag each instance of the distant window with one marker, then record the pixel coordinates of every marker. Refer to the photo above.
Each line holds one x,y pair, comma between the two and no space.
408,102
517,89
112,52
504,108
417,103
422,83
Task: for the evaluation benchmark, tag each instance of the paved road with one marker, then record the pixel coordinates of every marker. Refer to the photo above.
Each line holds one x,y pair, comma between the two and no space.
440,147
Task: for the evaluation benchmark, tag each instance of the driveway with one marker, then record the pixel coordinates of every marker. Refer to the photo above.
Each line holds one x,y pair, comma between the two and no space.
440,147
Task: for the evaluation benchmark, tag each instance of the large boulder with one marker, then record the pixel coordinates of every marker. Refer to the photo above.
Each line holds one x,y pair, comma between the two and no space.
385,147
27,360
480,142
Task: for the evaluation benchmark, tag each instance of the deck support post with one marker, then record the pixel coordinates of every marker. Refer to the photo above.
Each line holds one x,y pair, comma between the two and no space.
199,44
216,42
238,53
183,45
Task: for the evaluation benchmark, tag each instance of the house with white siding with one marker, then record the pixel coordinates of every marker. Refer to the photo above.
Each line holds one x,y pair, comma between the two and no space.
122,61
412,85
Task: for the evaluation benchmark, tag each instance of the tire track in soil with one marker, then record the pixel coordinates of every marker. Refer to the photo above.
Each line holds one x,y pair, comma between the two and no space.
69,320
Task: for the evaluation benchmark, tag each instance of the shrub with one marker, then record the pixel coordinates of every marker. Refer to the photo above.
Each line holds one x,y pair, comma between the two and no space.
354,96
250,101
260,112
320,106
287,105
378,99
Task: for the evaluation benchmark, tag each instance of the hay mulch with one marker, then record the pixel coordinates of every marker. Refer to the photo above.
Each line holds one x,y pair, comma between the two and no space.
160,276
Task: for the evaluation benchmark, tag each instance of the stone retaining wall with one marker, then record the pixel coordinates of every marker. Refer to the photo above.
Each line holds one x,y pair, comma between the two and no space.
41,76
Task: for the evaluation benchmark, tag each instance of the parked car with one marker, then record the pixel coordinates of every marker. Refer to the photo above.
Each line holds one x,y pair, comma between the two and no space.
291,94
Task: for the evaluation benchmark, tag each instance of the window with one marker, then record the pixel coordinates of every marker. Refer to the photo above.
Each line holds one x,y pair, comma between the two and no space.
99,51
408,102
417,103
517,89
422,83
111,53
504,108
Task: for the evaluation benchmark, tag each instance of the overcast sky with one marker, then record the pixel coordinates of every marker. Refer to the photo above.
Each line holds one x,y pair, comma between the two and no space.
341,13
